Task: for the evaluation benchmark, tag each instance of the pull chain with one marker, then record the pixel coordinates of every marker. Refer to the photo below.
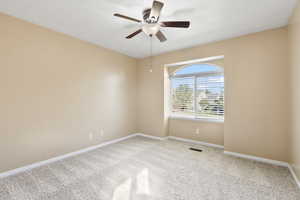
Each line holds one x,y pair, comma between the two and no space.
151,52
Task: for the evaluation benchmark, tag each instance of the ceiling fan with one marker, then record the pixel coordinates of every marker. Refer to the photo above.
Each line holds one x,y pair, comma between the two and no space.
151,25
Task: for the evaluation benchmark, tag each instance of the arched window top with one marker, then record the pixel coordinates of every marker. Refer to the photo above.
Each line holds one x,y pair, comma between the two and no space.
198,68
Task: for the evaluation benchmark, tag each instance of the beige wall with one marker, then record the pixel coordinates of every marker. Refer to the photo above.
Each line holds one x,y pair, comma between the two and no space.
256,121
211,132
56,90
294,52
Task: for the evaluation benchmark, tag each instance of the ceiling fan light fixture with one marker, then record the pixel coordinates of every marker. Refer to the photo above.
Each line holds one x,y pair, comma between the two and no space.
150,24
151,29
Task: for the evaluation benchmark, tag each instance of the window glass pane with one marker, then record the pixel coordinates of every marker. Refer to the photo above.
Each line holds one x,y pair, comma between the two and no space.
210,97
198,68
183,96
198,92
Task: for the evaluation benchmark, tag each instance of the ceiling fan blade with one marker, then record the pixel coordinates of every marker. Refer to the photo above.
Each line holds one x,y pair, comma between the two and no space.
128,18
176,24
161,36
134,34
155,11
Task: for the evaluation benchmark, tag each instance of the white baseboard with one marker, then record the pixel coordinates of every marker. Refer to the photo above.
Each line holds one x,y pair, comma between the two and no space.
197,142
269,161
54,159
151,136
294,175
259,159
181,139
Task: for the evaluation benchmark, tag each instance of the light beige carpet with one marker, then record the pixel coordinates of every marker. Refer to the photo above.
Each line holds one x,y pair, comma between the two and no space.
141,169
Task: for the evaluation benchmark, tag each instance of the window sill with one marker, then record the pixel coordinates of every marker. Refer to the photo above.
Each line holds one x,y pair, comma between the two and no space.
197,119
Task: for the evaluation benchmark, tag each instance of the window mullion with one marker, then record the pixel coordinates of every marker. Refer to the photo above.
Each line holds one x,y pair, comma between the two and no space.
195,98
171,100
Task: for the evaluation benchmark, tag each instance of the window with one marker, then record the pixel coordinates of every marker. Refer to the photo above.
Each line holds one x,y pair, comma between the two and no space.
198,92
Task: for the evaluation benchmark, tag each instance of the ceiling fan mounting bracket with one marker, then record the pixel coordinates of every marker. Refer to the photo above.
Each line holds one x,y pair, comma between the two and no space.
147,18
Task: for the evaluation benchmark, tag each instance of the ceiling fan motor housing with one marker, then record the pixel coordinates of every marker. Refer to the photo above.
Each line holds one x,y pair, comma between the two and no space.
146,15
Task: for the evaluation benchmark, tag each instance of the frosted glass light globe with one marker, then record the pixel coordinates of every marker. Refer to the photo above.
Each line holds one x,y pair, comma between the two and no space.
151,29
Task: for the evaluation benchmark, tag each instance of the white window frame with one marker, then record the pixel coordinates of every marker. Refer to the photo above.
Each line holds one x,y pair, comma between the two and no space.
194,117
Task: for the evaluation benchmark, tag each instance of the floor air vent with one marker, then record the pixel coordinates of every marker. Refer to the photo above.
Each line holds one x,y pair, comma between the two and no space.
194,149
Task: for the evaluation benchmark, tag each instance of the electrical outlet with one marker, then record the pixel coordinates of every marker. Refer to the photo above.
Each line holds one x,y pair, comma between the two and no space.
197,131
91,136
101,132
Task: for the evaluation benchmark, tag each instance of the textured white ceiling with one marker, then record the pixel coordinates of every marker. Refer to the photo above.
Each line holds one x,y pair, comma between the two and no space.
93,21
